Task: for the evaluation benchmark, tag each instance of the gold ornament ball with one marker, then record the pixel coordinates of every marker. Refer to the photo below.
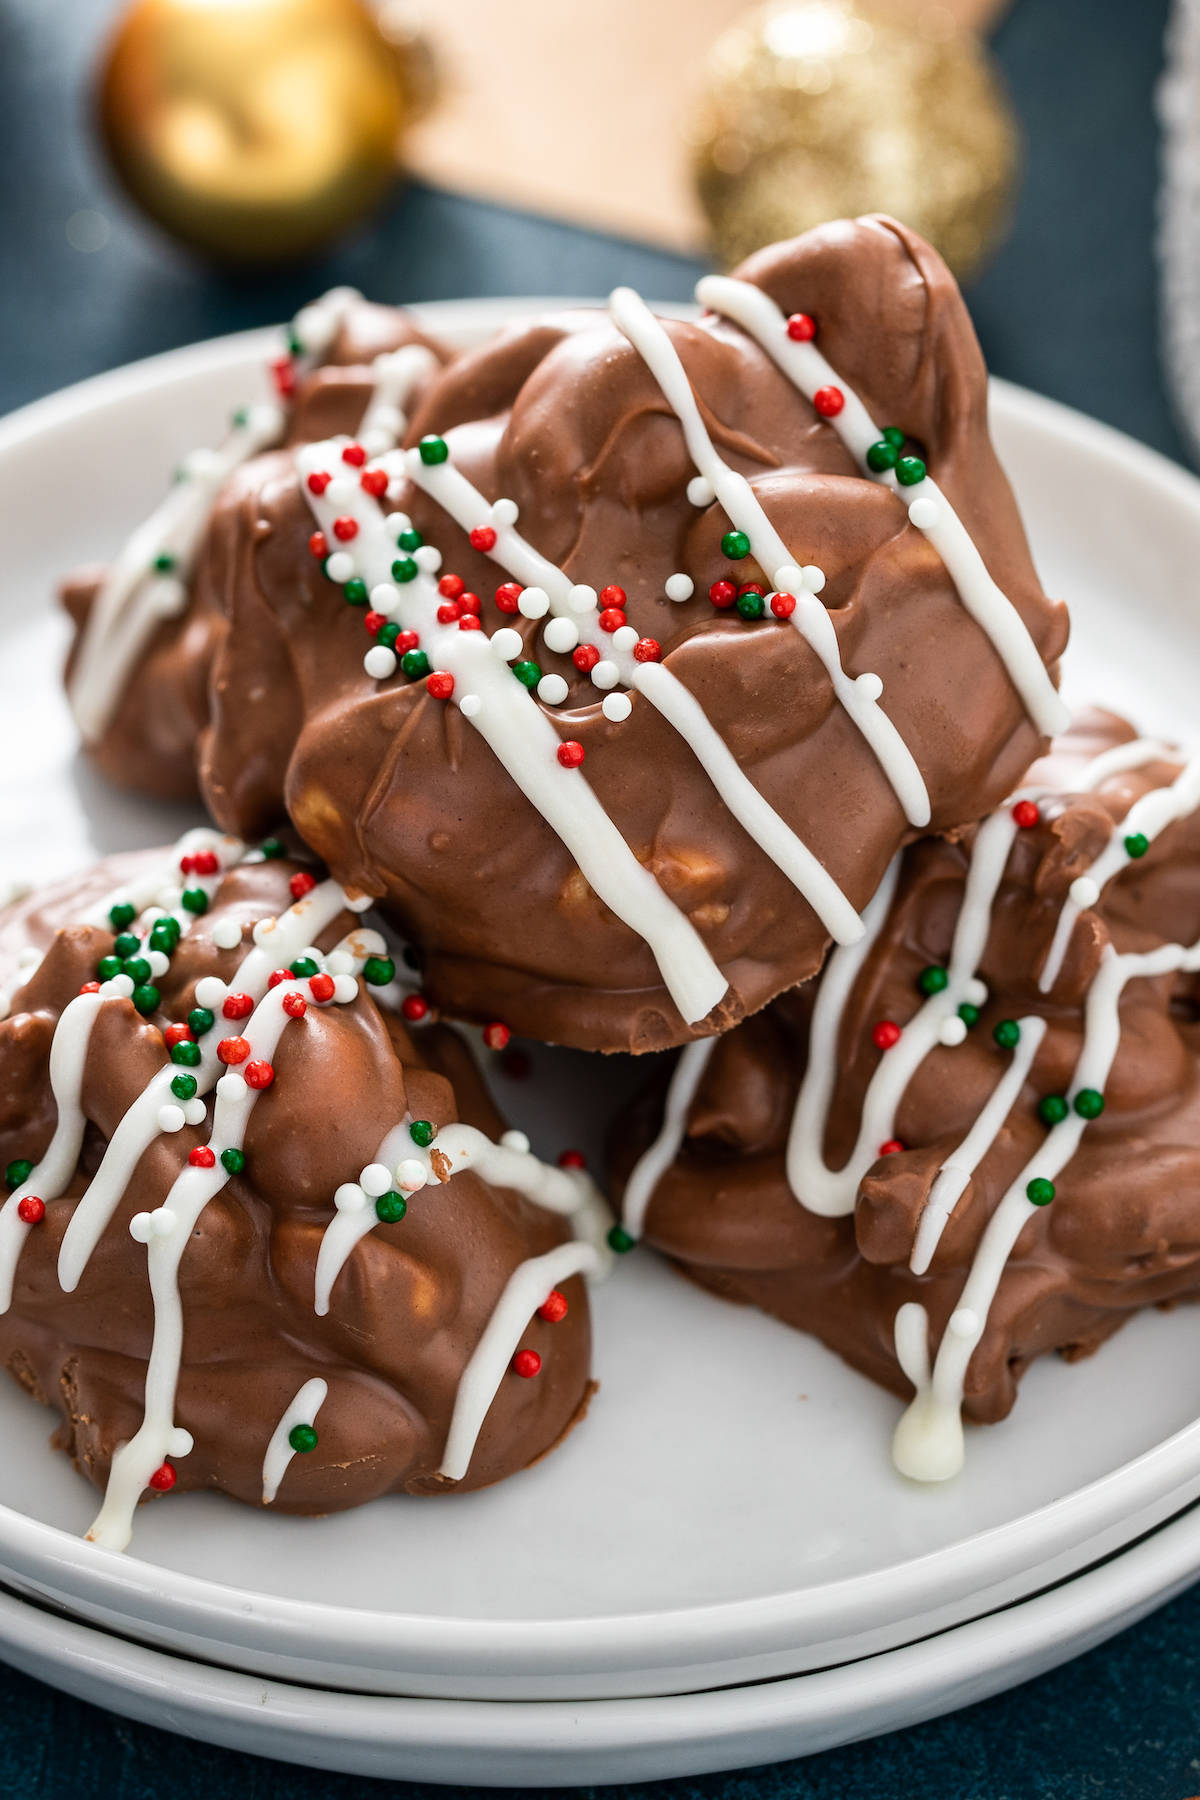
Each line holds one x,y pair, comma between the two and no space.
255,130
823,109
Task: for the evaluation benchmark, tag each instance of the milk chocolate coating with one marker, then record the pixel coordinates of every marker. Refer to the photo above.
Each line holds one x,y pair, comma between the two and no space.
150,742
408,1307
405,801
1124,1229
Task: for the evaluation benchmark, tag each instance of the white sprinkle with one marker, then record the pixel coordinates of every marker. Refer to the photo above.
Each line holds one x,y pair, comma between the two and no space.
159,964
964,1323
507,643
345,989
582,598
194,1112
624,639
561,635
976,991
339,962
506,512
1084,892
680,587
385,598
162,1222
411,1175
121,985
171,1118
812,578
515,1140
310,953
606,675
534,603
379,662
340,566
617,707
953,1032
552,689
231,1087
180,1442
169,898
870,685
700,491
429,558
350,1198
168,597
375,1179
396,524
139,1228
342,491
211,990
470,705
924,514
227,934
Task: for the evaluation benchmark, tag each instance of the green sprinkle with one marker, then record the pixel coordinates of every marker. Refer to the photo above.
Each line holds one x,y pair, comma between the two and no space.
1137,844
163,942
910,470
233,1161
415,663
1089,1103
164,563
1053,1109
387,635
304,967
145,998
196,900
240,416
882,456
183,1087
968,1014
404,568
893,435
18,1171
186,1054
201,1020
127,944
1040,1191
422,1132
122,915
1007,1034
354,591
932,980
137,969
527,672
273,848
390,1208
735,545
620,1240
379,970
107,967
410,540
295,344
751,606
433,450
302,1438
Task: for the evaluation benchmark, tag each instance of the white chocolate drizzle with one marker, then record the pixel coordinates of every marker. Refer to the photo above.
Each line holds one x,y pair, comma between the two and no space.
992,610
302,1411
654,1162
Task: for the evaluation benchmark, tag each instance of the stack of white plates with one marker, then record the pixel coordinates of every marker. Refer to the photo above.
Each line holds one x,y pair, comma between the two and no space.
721,1566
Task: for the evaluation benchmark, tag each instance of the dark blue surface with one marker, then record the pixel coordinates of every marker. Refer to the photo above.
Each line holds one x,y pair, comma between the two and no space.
1069,307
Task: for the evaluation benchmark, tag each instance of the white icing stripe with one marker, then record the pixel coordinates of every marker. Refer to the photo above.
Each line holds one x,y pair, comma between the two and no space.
1146,818
526,743
302,1411
397,373
145,888
961,1164
860,698
1121,757
992,610
528,1288
654,1162
929,1438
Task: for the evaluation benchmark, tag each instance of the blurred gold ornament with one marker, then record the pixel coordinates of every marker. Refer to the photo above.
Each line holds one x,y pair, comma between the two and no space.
256,130
822,109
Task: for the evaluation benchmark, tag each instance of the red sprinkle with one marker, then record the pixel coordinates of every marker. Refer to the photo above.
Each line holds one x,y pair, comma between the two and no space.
318,481
893,1147
508,597
163,1478
469,622
318,544
585,658
345,528
783,605
1026,813
178,1034
237,1006
278,975
570,754
283,374
295,1005
355,455
205,863
468,602
496,1036
448,613
233,1050
414,1007
186,864
612,596
406,641
301,884
202,1157
90,987
527,1363
829,401
647,650
451,586
375,622
554,1307
440,684
722,594
374,482
321,987
483,538
259,1074
884,1035
801,329
612,619
31,1210
572,1159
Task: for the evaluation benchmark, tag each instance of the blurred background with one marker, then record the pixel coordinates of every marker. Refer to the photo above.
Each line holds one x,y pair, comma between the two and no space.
176,169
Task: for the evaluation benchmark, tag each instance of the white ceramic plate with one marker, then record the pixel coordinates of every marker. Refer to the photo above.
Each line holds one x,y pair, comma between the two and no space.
729,1511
